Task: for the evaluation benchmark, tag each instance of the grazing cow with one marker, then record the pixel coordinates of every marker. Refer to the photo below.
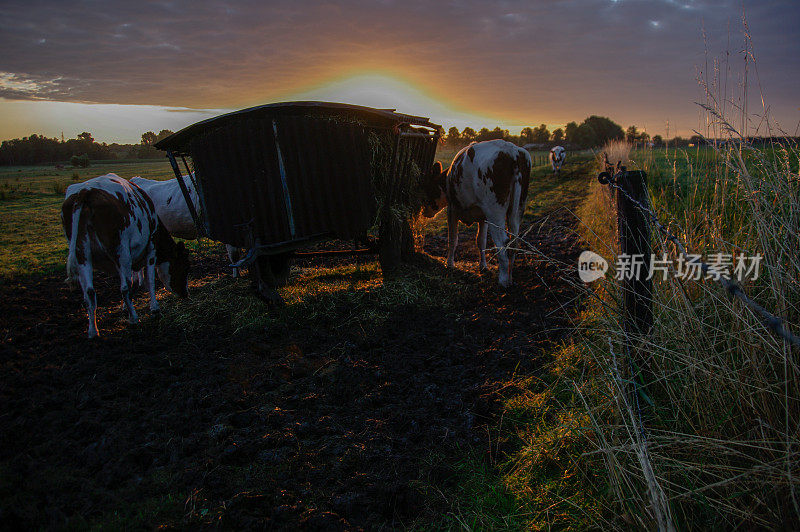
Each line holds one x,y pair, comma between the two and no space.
557,156
486,183
171,207
112,225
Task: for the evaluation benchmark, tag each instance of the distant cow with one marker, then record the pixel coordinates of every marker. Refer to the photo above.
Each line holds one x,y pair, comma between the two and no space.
112,225
557,156
486,183
172,209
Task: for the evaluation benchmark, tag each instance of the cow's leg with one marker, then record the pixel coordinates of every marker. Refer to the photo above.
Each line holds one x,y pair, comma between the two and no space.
150,273
86,280
497,230
513,231
137,281
481,241
125,275
234,255
452,237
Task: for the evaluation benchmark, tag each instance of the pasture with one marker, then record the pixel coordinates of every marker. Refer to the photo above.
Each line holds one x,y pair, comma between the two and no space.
30,200
358,404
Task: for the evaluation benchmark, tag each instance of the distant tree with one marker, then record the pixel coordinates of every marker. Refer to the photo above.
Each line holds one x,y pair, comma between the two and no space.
526,135
81,161
644,137
453,136
605,129
164,133
570,130
596,131
558,135
499,133
540,134
697,140
149,138
483,134
678,142
657,140
38,149
631,134
585,136
468,135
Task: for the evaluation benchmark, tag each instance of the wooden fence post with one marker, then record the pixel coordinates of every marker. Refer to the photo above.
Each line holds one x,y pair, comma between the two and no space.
637,286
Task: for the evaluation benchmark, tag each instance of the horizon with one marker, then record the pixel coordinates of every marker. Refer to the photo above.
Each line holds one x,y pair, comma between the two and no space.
127,70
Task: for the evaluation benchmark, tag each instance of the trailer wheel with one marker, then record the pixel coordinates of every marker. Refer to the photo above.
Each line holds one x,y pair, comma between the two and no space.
389,245
406,241
269,273
281,265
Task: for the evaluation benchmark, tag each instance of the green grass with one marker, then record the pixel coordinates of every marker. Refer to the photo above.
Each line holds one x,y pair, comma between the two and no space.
481,494
39,179
350,296
31,237
712,367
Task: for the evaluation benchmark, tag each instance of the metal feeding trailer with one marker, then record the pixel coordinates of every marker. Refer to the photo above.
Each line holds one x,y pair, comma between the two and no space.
276,177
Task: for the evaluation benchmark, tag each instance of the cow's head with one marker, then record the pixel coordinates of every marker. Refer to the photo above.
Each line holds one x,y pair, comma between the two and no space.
174,271
434,187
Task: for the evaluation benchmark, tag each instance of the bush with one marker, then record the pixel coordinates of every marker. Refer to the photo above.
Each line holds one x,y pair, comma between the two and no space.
76,176
58,187
7,192
80,161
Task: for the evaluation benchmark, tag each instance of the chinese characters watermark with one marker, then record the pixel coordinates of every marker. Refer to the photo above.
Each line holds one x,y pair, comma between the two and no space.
592,266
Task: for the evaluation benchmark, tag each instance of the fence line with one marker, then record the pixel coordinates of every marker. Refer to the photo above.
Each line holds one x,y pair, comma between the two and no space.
771,321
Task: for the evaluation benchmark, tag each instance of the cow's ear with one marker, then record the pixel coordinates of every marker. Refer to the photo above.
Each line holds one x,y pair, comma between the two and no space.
437,168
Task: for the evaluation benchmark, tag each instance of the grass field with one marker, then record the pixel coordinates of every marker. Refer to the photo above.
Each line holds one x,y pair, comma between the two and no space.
358,392
31,238
716,446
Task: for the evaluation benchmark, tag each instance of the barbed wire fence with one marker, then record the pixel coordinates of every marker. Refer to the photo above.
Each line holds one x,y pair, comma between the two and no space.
614,178
635,217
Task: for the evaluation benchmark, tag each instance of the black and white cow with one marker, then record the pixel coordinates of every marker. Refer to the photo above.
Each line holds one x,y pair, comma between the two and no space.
173,211
557,156
487,183
112,225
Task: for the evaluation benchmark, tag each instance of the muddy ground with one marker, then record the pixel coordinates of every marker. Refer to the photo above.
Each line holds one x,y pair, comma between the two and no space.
312,426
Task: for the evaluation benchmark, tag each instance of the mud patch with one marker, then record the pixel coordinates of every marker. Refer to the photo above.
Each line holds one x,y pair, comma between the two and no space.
309,425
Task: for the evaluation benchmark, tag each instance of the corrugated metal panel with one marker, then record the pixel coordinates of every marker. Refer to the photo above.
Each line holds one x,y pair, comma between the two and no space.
175,141
327,161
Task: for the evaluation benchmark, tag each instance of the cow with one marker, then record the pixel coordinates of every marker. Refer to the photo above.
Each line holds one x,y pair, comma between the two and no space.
171,207
112,225
487,183
557,156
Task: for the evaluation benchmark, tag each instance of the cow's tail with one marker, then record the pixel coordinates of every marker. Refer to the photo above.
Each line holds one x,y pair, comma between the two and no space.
75,216
519,187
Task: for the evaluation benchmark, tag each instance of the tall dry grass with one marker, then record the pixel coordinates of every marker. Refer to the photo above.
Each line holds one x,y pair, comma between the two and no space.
714,439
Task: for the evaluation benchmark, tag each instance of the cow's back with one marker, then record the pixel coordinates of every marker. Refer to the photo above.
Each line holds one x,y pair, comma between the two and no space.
484,176
115,214
171,205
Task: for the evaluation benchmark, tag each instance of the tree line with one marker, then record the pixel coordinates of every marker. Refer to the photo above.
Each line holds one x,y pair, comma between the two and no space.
594,131
39,149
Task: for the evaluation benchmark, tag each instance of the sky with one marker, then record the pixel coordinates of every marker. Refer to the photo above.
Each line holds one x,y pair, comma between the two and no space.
118,68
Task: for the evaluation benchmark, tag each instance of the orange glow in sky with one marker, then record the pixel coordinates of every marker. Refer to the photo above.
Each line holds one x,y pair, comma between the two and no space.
137,66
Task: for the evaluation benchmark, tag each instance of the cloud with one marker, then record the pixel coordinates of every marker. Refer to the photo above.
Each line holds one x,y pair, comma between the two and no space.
25,87
524,61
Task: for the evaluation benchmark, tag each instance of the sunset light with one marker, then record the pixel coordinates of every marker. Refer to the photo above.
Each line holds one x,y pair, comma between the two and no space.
386,92
378,265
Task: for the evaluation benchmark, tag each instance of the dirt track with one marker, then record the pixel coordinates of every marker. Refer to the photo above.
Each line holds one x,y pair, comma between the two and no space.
313,426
